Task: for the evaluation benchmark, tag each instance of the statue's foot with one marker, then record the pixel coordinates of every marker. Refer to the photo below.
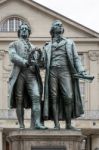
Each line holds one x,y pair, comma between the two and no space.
57,127
40,127
69,127
22,126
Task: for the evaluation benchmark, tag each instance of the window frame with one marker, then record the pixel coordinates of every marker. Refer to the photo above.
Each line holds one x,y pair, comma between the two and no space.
5,25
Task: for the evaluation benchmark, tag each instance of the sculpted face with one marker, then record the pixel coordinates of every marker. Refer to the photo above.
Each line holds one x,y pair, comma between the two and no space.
24,31
58,27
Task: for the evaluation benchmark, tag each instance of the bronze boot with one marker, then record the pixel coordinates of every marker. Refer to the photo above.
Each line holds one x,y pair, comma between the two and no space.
37,122
37,114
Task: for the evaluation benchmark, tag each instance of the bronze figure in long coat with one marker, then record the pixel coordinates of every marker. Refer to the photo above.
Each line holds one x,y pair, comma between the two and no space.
25,85
75,67
16,52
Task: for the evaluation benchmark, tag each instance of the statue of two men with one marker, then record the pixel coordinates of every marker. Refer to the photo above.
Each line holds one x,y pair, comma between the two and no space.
62,99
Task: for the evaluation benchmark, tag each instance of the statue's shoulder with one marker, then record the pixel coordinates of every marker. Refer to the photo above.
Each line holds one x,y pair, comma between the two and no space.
12,44
15,43
69,41
46,45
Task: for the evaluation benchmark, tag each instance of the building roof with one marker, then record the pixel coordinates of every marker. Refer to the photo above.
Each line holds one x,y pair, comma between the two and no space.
64,18
58,16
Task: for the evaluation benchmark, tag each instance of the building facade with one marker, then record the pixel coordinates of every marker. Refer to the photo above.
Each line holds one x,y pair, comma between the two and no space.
39,18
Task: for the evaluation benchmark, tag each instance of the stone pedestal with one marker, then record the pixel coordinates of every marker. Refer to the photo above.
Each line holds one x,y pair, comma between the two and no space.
92,138
44,139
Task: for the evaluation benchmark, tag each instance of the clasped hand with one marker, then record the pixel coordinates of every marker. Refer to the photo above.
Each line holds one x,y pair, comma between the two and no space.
31,63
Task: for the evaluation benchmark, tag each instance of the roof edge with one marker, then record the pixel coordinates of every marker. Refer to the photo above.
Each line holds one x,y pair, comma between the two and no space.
66,19
59,16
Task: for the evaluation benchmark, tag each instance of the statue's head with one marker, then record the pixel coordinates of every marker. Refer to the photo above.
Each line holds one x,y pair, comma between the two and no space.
24,31
56,28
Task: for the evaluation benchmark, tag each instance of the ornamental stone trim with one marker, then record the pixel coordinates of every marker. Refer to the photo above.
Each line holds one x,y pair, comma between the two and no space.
93,55
2,53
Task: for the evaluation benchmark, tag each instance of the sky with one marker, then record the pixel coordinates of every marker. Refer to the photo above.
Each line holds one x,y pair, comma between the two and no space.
85,12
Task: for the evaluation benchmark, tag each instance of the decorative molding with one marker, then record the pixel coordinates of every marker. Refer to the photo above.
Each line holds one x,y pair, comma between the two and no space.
90,115
8,65
2,53
7,68
6,77
93,55
98,77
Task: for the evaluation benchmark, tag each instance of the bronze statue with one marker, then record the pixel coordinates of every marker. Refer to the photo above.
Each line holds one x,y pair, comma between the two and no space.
25,85
62,99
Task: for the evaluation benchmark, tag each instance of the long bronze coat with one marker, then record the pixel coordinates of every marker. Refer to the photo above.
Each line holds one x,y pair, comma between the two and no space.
16,53
75,67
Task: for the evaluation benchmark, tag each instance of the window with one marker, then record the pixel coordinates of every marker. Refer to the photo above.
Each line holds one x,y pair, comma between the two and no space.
11,24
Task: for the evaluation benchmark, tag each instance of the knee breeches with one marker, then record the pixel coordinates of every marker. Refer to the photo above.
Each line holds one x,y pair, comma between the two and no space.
60,83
